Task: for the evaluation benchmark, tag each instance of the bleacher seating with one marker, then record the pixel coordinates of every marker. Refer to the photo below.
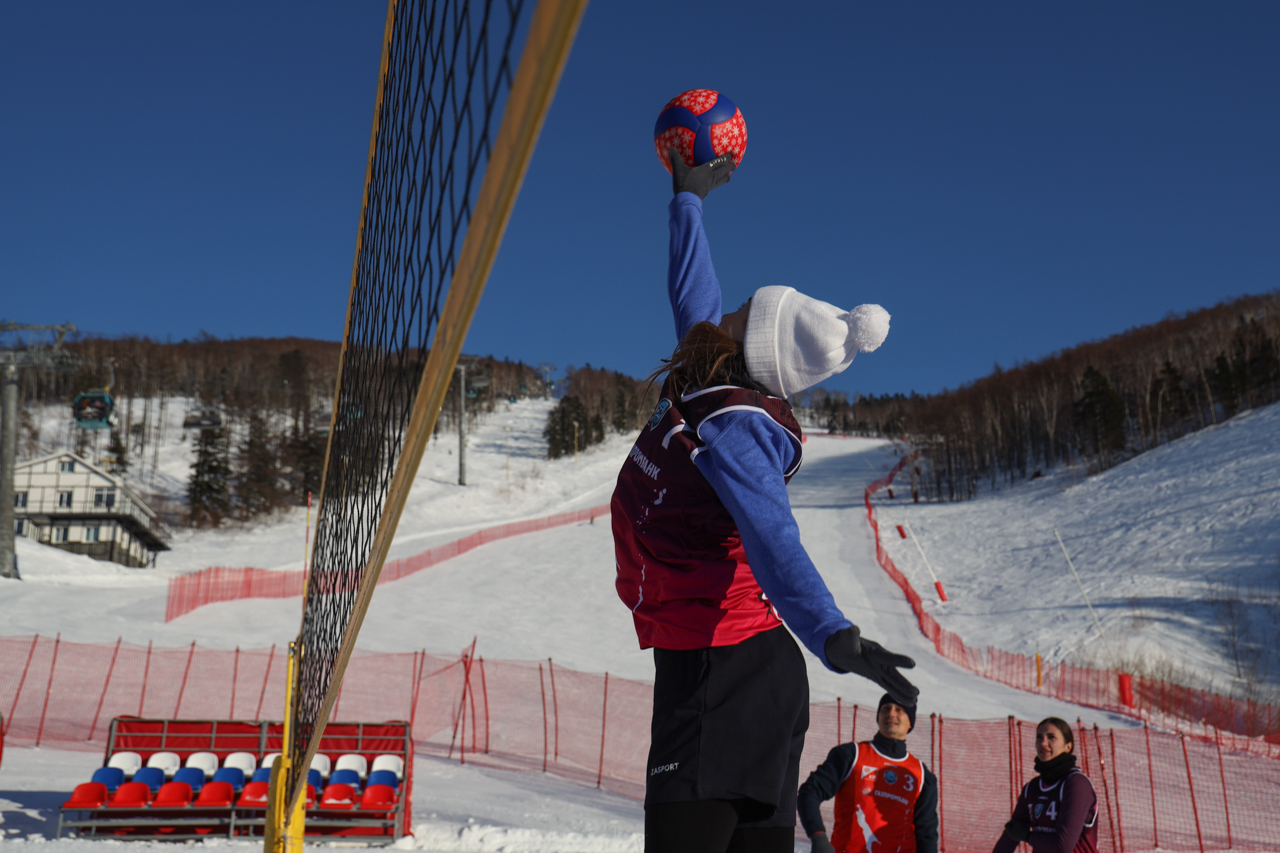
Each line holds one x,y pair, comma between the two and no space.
338,795
206,761
254,796
111,777
269,759
88,795
131,795
320,762
378,797
245,762
313,778
169,762
383,777
394,763
352,761
152,777
129,762
215,795
234,776
345,777
193,776
173,795
262,774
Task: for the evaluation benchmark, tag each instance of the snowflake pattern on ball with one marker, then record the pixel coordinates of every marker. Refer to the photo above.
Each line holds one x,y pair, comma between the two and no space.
696,101
681,138
730,135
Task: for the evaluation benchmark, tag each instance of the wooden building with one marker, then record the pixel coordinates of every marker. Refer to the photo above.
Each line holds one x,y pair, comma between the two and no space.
67,502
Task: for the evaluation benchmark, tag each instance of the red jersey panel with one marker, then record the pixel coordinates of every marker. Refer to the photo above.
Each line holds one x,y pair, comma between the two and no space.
875,807
681,566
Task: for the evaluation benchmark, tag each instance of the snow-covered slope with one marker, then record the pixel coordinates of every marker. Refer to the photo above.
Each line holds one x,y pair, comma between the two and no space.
1164,544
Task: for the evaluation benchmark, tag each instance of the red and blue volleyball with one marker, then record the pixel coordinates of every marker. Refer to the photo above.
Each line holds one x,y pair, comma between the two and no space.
701,125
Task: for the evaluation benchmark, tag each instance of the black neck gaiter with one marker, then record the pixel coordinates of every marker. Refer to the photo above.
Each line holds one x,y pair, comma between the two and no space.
1055,768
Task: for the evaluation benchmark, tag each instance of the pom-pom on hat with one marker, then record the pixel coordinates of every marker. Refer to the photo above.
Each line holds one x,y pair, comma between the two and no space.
886,699
794,341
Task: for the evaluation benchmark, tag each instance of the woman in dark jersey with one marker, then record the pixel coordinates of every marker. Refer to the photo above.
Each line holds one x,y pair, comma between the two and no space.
1057,812
709,560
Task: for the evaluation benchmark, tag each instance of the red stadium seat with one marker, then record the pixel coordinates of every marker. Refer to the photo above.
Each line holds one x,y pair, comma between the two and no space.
90,795
311,797
378,798
173,795
254,796
338,796
131,795
216,795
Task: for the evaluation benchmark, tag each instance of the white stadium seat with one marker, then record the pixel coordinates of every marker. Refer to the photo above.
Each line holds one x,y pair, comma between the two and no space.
394,763
206,761
353,761
269,759
244,761
129,762
320,762
169,762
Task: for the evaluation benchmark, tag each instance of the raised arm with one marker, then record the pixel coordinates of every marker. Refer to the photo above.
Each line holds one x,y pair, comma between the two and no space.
692,285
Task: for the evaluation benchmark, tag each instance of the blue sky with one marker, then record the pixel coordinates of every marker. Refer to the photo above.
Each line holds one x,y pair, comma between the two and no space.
1007,179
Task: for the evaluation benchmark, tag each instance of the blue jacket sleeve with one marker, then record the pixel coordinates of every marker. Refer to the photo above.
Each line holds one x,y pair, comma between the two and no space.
692,285
744,459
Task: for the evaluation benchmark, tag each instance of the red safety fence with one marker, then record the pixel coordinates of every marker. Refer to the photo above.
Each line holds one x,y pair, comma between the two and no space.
222,583
1155,789
1248,725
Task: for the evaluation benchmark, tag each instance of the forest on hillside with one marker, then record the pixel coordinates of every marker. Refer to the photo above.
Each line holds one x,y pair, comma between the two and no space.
259,409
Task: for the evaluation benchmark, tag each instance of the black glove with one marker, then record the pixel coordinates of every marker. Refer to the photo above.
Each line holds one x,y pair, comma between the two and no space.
1018,830
699,180
848,652
821,844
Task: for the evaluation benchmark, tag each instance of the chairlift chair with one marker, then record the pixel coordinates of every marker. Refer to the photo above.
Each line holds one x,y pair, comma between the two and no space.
94,409
202,419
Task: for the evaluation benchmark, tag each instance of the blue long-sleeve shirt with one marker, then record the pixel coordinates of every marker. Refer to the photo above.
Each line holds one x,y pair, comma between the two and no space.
746,454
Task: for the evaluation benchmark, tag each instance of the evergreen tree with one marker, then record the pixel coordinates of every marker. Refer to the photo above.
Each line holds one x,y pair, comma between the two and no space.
1100,416
257,484
559,431
209,487
304,455
118,450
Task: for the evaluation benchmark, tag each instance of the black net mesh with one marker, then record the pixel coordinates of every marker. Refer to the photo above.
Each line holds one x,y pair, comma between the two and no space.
448,73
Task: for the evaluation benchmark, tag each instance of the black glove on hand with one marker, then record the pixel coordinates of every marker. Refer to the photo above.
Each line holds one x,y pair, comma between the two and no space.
699,180
821,844
848,652
1018,830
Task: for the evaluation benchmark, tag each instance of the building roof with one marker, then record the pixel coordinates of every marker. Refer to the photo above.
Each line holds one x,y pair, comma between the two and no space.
118,482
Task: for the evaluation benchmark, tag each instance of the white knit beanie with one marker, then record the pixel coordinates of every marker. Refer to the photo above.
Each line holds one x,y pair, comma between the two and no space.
794,341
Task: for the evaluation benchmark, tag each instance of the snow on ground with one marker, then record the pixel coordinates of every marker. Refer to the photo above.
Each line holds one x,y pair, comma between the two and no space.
1158,542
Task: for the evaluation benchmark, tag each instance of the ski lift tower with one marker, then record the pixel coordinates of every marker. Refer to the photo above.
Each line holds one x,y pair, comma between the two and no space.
546,367
21,347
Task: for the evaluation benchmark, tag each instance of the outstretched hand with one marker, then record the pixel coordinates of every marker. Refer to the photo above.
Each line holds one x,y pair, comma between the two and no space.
847,651
699,180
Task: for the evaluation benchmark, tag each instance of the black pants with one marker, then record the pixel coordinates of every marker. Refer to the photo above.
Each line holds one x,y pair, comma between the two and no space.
709,826
728,729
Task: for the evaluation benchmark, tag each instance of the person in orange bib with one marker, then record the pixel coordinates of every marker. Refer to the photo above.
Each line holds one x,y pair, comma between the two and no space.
886,798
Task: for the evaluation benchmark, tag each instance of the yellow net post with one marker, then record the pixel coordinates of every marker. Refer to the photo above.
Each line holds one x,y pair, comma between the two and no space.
285,825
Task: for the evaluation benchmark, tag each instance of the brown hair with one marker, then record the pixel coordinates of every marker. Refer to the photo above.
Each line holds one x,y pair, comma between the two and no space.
1062,726
705,356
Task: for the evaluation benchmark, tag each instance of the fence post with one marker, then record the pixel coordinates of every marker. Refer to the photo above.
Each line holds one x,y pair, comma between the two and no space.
484,692
853,730
416,675
1222,774
1013,793
14,707
604,718
105,685
183,688
1151,776
1115,779
555,707
1191,786
235,676
49,686
1106,789
266,676
146,671
543,685
460,719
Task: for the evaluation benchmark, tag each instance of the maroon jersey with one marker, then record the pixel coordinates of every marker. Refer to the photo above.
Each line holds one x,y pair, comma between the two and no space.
1063,816
681,566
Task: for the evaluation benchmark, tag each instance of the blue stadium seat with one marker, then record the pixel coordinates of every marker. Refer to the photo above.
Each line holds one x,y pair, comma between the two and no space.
152,777
193,776
384,777
263,774
346,777
112,777
233,775
314,778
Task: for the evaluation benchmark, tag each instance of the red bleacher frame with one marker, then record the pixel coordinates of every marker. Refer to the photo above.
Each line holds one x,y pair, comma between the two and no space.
262,737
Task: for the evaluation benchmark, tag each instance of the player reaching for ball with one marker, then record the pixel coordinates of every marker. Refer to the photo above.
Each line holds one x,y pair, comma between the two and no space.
709,559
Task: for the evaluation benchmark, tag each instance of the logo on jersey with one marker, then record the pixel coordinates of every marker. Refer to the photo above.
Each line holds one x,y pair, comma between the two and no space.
868,771
890,776
1039,810
663,405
